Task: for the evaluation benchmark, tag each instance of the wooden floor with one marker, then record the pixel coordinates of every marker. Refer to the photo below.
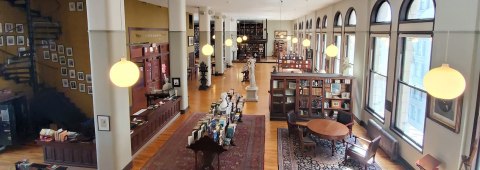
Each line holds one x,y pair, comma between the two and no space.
199,101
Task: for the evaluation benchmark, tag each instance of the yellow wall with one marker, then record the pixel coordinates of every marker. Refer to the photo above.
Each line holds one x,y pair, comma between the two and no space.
75,35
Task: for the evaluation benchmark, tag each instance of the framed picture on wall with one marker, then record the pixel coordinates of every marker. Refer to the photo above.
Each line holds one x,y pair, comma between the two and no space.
72,6
70,62
9,28
46,55
190,40
10,40
73,85
55,57
103,122
65,83
280,34
61,49
79,6
71,74
20,40
64,71
176,82
62,60
88,77
1,28
89,90
19,28
69,51
81,87
447,113
80,75
53,46
1,40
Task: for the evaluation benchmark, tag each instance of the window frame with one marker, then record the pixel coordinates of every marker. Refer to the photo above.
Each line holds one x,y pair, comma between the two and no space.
338,18
338,58
347,17
371,71
405,8
325,22
319,23
399,64
376,7
346,47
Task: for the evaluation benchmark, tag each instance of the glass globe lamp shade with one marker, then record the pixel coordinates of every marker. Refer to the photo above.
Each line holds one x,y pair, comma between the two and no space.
332,50
294,40
306,43
239,39
444,82
213,36
207,50
244,38
228,42
124,73
289,37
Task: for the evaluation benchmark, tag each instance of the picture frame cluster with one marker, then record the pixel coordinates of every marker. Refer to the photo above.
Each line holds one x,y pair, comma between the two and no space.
76,6
13,34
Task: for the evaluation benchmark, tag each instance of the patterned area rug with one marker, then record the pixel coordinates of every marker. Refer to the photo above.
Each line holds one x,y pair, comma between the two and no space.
247,154
290,157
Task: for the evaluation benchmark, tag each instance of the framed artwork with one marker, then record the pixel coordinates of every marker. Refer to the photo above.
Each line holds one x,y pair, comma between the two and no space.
19,28
447,113
335,88
103,122
46,55
65,82
61,49
89,90
72,6
53,46
1,40
71,74
73,85
79,6
69,51
278,34
55,57
70,62
64,71
81,87
20,40
10,40
1,28
80,75
336,104
88,77
176,82
345,95
9,27
190,40
62,60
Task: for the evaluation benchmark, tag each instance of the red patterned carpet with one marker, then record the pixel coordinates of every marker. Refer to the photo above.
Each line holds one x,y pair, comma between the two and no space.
247,154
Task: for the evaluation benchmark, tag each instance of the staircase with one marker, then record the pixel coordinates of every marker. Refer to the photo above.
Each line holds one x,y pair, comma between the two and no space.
41,29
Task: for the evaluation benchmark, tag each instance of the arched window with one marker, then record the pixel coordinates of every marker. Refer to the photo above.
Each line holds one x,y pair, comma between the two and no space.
318,23
382,12
338,19
324,24
417,10
310,24
351,17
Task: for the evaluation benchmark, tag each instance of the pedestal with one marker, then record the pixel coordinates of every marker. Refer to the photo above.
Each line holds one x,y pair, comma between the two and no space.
251,94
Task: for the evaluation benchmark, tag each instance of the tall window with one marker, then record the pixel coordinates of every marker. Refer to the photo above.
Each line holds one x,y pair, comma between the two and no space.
352,18
319,23
319,54
349,54
338,19
421,9
324,46
384,13
378,75
338,43
411,95
324,25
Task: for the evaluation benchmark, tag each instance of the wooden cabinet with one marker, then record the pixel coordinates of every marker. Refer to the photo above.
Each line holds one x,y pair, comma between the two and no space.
72,154
310,95
153,61
255,45
279,48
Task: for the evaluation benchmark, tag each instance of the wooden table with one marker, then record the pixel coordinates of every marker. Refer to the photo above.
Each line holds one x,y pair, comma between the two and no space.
328,129
301,124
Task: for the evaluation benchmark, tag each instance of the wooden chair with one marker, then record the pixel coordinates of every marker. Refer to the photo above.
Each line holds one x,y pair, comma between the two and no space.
364,155
346,118
292,119
305,141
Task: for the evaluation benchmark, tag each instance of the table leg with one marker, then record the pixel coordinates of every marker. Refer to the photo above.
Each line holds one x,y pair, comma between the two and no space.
333,147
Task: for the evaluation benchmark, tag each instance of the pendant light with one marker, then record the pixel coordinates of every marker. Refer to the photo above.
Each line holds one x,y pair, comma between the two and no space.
124,73
332,49
294,40
213,37
207,50
239,39
244,38
289,37
228,42
306,42
444,82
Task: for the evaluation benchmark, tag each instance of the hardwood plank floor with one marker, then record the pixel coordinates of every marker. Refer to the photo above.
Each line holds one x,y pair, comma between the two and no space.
199,101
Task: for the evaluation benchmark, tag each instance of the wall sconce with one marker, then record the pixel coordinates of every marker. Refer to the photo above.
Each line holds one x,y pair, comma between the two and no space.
124,73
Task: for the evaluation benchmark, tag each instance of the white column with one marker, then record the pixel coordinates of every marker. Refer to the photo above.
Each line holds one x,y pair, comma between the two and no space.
228,35
107,43
219,60
233,26
204,28
178,47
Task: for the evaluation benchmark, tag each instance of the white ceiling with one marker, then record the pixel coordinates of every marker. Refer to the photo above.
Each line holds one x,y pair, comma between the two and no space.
254,9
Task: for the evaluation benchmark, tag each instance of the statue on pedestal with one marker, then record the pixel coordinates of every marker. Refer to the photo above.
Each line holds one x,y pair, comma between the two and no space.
252,88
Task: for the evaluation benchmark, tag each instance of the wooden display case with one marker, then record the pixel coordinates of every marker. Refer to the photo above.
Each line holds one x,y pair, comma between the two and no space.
256,42
294,61
310,95
279,48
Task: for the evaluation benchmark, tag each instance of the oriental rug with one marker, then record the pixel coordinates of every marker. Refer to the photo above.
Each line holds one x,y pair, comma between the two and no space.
290,157
247,154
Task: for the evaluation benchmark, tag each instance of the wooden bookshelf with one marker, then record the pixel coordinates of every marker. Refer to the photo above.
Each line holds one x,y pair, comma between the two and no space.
255,45
310,95
294,61
279,48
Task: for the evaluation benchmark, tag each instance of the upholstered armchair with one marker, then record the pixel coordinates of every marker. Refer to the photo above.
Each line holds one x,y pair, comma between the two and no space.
305,141
364,155
346,118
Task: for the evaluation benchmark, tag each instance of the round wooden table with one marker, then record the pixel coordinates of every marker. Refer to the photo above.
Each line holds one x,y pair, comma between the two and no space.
328,129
